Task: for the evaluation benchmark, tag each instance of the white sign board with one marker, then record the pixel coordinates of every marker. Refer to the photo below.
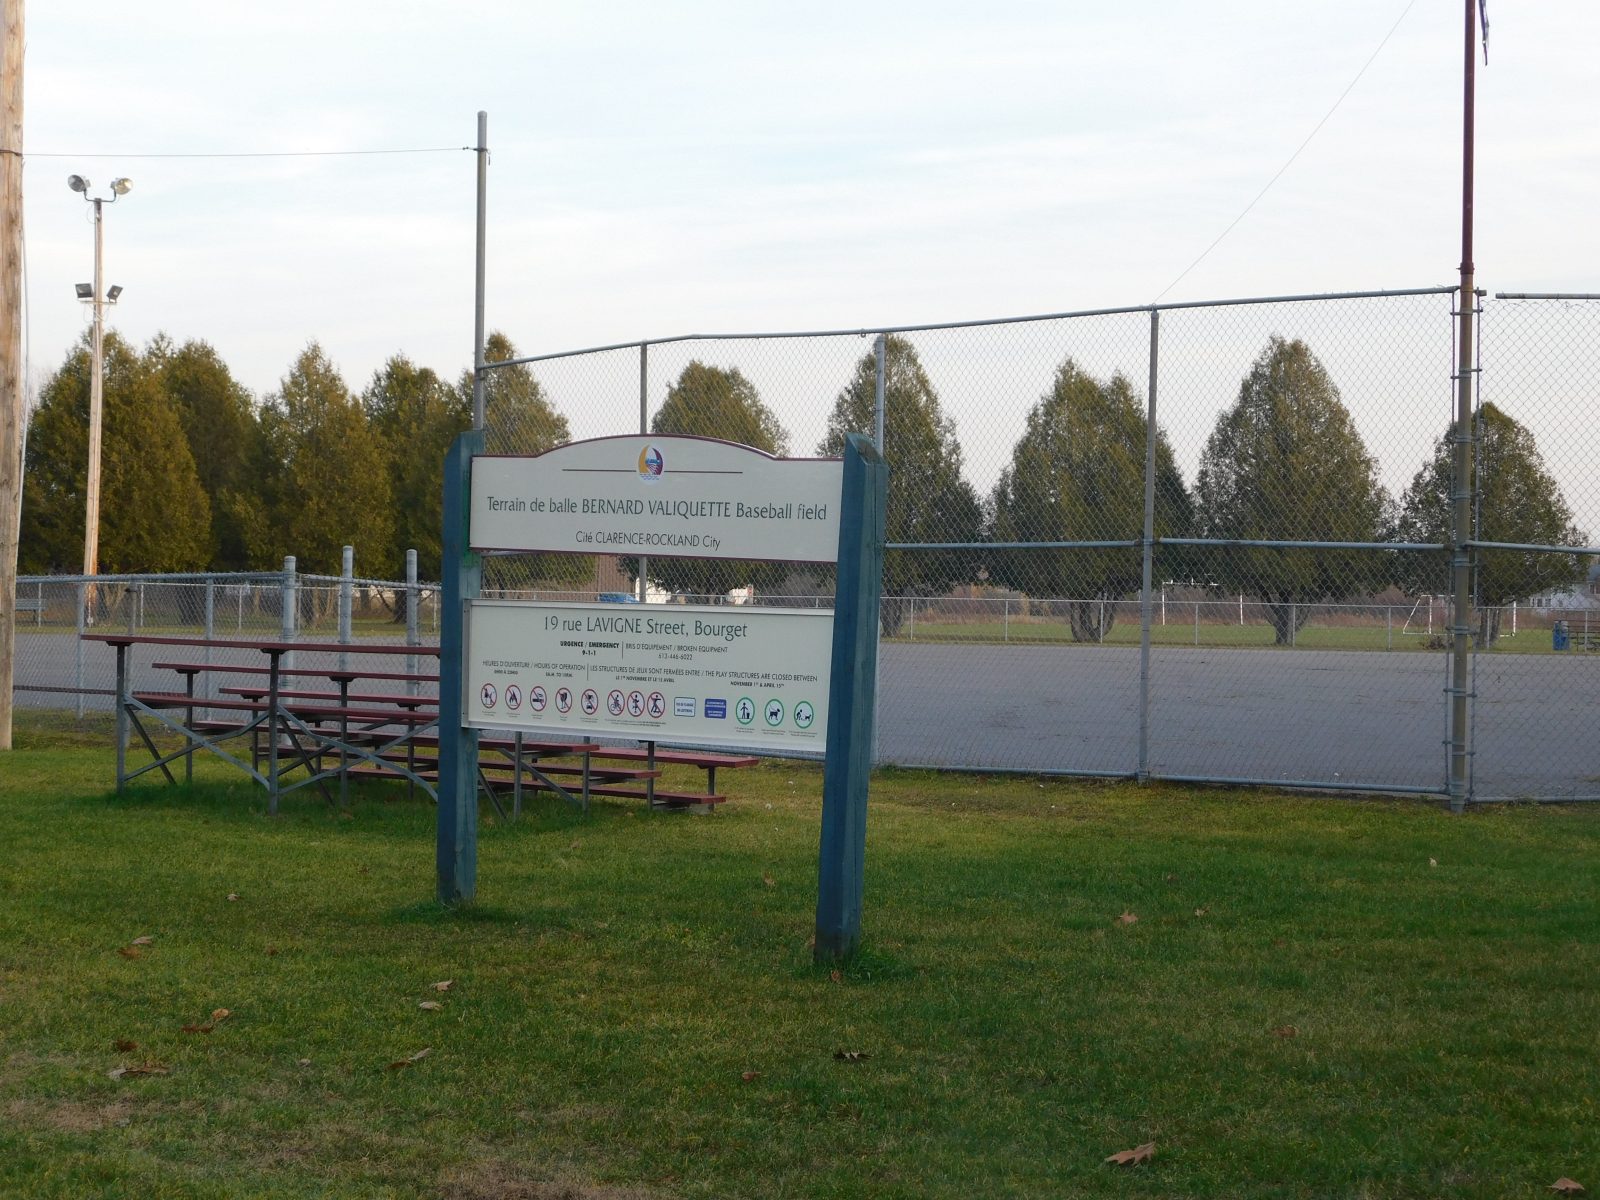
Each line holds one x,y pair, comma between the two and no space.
704,675
659,496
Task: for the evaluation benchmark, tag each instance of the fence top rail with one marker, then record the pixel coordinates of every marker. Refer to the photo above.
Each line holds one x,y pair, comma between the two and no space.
359,581
265,647
872,331
1547,295
1533,547
1129,543
226,577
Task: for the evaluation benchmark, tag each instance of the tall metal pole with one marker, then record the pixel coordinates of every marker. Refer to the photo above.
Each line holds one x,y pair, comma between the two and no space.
643,586
91,491
1461,497
11,381
880,351
482,259
1148,550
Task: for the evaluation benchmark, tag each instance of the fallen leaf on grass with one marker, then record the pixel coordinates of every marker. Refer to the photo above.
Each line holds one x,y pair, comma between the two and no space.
431,1006
1139,1154
218,1016
1286,1031
851,1055
401,1063
750,1076
1200,912
144,940
130,951
769,880
271,951
835,976
233,895
124,1046
302,1062
1433,862
149,1068
1127,918
443,985
1567,1187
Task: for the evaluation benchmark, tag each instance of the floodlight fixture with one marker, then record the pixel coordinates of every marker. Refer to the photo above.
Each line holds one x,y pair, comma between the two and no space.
85,291
114,292
77,183
121,185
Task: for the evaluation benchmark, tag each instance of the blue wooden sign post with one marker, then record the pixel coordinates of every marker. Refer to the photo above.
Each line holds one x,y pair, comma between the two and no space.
851,687
851,700
457,843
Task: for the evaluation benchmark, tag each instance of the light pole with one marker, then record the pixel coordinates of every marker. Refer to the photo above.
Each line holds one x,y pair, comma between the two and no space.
95,295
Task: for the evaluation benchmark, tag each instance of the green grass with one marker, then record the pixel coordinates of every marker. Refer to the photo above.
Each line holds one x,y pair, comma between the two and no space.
622,973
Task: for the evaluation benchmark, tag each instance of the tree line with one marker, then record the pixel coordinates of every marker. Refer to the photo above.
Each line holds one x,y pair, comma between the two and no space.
197,474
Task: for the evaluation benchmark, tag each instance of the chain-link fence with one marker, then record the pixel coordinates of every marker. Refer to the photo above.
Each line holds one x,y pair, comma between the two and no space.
56,668
1261,595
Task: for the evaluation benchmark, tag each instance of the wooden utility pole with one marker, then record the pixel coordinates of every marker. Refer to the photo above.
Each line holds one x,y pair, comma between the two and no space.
11,381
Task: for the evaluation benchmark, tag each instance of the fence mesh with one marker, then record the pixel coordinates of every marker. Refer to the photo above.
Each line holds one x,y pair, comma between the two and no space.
1297,497
1538,437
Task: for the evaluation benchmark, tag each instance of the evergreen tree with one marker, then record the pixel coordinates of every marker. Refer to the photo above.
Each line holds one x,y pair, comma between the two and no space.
928,499
519,419
416,416
714,402
518,415
1518,501
219,420
1286,463
1077,474
154,515
330,486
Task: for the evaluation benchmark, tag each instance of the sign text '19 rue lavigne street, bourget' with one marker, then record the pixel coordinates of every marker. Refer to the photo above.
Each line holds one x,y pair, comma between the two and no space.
788,681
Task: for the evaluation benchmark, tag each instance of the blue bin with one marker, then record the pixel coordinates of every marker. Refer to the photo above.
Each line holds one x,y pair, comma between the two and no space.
1560,639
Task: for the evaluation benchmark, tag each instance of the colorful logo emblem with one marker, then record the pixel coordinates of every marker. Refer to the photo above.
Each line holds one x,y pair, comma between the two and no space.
651,464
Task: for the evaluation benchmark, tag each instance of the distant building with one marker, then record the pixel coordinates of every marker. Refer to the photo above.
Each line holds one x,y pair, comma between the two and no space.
1573,596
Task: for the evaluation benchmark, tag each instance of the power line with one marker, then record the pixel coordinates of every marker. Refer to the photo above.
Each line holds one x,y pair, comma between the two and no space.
1290,162
251,153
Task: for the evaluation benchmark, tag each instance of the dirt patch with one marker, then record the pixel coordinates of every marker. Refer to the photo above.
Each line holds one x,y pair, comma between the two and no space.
499,1181
67,1116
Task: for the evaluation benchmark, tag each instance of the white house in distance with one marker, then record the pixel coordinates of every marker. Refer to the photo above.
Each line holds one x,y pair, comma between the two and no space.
1574,596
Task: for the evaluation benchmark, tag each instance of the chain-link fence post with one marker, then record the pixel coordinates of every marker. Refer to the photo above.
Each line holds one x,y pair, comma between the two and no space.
413,597
1148,549
643,582
1461,553
347,571
82,598
290,605
211,632
880,352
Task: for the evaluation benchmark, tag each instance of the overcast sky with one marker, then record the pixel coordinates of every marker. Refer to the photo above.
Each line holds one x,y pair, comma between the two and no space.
661,168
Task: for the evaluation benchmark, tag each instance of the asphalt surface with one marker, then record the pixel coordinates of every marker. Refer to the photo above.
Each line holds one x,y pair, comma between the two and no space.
1341,718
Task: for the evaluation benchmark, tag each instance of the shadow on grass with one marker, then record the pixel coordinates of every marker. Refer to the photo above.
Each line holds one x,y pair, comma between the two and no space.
433,913
867,965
